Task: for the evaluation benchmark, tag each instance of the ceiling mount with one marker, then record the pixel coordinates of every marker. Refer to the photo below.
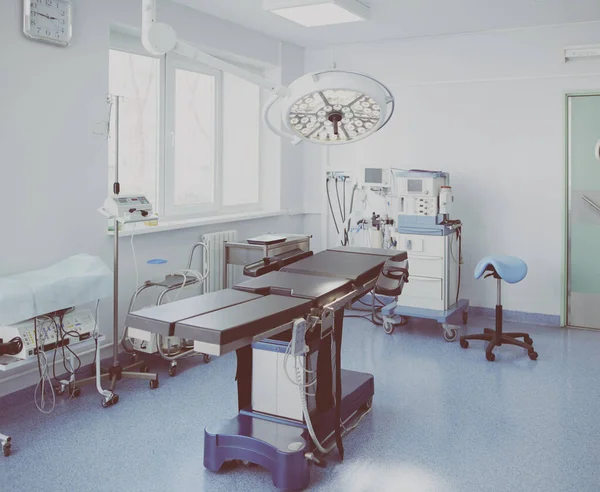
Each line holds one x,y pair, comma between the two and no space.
312,13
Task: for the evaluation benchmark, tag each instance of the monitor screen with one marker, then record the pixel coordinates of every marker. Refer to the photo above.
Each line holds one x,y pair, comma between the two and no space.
374,175
414,185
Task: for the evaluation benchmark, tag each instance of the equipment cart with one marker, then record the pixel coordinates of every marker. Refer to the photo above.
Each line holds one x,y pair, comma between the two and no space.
444,317
432,291
169,348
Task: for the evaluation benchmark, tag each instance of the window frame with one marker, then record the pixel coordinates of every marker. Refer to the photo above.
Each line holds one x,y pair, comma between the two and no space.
174,63
165,172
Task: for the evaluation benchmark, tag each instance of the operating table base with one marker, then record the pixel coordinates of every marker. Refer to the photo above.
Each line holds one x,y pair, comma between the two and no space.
280,445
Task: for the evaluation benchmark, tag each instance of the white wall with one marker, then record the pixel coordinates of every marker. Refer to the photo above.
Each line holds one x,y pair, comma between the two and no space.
489,108
53,169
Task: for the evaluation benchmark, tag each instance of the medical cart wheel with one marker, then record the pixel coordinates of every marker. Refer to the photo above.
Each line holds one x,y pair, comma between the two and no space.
154,384
173,371
6,449
450,336
59,389
144,369
75,392
465,317
464,343
528,340
368,404
206,358
533,355
388,327
110,401
490,356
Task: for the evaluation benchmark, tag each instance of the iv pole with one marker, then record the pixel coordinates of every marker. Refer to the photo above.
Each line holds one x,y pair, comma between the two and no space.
115,372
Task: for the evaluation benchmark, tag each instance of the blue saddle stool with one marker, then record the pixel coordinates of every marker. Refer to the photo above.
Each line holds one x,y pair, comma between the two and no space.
512,270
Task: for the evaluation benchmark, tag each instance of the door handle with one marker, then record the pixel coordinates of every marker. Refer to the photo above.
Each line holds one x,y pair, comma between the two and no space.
590,202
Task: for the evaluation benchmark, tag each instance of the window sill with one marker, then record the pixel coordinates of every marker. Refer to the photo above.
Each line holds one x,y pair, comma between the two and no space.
174,224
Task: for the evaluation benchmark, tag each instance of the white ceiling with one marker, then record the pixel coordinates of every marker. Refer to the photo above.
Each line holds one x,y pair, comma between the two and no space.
395,19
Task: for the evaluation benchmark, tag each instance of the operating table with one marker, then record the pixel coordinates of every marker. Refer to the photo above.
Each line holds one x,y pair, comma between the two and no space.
295,308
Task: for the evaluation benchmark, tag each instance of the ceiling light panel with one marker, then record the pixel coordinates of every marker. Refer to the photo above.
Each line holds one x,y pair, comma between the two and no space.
312,13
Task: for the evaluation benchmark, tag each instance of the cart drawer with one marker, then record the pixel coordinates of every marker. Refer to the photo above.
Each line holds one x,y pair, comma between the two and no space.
422,287
425,266
421,244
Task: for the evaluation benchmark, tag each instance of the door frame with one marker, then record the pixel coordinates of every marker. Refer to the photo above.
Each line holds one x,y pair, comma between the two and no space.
566,284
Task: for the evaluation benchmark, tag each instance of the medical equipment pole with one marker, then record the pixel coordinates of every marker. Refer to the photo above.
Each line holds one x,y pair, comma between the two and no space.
115,372
115,363
116,191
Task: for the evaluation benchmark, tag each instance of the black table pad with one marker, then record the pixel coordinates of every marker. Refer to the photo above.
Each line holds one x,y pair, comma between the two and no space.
162,319
358,267
243,320
321,290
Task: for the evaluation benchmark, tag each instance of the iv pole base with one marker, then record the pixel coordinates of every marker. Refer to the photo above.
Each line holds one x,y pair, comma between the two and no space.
114,374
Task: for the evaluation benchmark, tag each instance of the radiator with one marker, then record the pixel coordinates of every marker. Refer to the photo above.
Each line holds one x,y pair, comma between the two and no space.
216,251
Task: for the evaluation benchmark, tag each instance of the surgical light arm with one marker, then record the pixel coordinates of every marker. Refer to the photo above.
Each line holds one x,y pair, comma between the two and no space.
327,107
160,38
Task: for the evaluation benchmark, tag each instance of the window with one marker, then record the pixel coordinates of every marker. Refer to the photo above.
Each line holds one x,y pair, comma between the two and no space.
189,134
136,78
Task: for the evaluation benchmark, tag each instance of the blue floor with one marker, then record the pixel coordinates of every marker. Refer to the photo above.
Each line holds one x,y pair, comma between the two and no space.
444,420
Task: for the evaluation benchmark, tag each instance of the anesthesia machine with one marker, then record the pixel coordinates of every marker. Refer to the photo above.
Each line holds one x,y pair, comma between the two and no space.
434,245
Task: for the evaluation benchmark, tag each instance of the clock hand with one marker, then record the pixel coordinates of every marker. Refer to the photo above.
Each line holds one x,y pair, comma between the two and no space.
47,16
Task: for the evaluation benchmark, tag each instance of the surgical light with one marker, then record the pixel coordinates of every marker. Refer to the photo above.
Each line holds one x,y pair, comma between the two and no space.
312,13
332,107
327,107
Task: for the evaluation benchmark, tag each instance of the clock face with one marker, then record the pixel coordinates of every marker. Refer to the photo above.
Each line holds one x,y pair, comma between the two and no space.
48,20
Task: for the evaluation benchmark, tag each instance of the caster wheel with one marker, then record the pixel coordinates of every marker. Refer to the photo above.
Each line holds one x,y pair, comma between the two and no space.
75,392
465,317
134,358
368,404
144,369
450,336
109,402
533,355
154,384
490,356
529,340
464,343
173,371
59,390
388,327
6,450
206,358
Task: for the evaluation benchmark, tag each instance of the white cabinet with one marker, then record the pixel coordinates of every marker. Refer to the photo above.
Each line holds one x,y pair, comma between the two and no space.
433,266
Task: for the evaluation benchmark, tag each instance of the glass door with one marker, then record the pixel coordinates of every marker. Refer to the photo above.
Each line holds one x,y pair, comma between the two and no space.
583,246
